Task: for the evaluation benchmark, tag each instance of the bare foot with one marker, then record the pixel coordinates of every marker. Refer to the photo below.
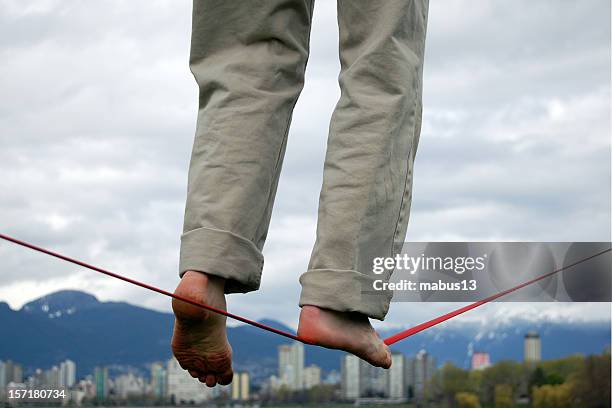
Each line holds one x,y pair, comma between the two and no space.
350,332
199,342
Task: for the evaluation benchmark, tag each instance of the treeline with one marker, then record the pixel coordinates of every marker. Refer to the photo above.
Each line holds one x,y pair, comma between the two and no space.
322,393
575,381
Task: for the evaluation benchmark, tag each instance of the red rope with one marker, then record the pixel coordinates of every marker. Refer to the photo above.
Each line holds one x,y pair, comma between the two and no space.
393,339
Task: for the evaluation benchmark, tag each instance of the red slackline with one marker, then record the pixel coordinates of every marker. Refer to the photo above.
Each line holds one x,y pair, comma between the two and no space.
388,341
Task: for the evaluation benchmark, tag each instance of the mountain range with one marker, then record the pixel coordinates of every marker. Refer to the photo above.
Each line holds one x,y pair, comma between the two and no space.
76,325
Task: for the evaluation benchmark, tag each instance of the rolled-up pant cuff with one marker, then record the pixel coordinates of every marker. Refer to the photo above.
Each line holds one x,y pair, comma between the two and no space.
344,291
224,254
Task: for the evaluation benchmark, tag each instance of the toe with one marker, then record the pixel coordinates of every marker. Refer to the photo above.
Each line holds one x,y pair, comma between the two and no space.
211,381
387,361
376,353
225,379
382,357
194,373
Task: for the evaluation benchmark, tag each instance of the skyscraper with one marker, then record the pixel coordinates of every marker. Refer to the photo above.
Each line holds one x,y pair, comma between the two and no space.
101,382
3,381
158,380
350,382
396,381
51,377
17,373
241,387
373,381
312,376
291,365
424,367
533,347
10,372
67,373
360,379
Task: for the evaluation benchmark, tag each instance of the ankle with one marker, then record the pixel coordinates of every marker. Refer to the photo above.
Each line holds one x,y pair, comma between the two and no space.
316,312
204,280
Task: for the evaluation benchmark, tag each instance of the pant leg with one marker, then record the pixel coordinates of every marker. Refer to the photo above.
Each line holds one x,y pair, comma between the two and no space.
248,59
366,194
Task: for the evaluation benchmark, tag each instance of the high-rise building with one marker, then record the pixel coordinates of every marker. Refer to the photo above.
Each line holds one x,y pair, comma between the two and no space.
241,387
312,376
424,367
3,381
373,381
480,360
51,377
182,388
101,382
67,373
351,379
360,379
17,373
291,365
10,372
158,380
533,347
396,377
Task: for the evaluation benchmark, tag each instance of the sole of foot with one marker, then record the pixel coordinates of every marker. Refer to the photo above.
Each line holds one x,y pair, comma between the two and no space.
199,340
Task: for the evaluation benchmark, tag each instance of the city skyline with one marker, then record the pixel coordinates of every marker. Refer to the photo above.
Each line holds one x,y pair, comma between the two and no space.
410,378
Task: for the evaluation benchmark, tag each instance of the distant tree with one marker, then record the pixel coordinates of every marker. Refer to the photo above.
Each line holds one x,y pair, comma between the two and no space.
467,400
503,396
538,378
475,379
552,396
284,394
508,373
561,368
448,381
591,383
321,393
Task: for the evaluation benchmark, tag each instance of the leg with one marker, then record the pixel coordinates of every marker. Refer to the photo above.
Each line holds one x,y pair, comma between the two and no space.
248,59
366,194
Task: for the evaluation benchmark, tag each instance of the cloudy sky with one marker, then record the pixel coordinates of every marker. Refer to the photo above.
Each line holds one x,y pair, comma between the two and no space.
97,115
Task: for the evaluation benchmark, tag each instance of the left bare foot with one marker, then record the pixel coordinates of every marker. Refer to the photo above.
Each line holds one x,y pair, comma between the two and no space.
199,342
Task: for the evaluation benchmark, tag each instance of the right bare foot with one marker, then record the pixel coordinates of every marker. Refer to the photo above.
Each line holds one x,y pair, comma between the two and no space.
199,341
350,332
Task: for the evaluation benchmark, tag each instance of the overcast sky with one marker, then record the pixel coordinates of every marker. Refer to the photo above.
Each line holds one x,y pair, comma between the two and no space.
97,117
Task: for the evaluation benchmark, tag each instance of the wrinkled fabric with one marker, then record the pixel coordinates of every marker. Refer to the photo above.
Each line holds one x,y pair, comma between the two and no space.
249,59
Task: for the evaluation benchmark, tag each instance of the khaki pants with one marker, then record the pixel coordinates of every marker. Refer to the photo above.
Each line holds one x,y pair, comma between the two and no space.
248,58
